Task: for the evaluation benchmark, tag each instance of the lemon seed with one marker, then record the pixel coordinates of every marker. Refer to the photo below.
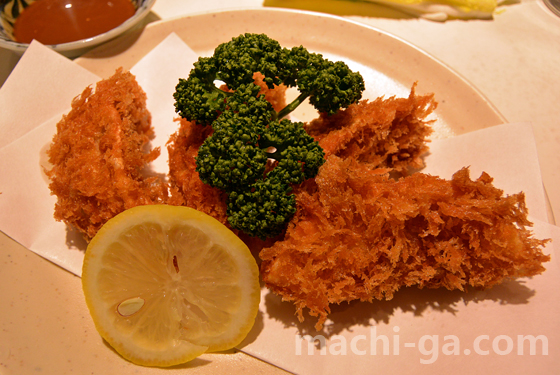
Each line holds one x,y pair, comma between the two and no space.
130,306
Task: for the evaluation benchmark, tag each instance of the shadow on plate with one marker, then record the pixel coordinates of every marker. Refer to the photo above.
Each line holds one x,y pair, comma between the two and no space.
75,239
408,300
255,331
197,362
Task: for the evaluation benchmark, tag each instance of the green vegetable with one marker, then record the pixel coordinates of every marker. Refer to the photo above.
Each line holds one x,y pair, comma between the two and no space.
253,154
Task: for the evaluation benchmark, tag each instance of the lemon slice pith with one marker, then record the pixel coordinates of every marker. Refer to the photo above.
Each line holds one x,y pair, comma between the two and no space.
165,284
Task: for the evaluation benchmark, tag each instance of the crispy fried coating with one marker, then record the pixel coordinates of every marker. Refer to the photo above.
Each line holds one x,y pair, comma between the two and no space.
99,153
276,96
386,133
359,235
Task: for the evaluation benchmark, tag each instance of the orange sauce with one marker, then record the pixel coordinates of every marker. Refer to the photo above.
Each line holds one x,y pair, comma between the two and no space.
63,21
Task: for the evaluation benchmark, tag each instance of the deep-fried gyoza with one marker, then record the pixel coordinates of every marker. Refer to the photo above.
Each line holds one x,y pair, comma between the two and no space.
359,235
99,153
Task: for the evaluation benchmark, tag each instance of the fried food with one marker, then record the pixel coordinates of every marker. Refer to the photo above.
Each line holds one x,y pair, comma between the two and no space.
385,133
276,96
360,235
388,133
99,155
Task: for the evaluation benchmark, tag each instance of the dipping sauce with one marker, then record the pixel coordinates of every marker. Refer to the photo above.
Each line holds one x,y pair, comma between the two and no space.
63,21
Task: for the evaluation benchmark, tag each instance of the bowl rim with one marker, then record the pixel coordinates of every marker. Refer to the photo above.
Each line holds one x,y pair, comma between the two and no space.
140,13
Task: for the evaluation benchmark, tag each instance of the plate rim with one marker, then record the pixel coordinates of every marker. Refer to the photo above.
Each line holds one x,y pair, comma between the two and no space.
103,52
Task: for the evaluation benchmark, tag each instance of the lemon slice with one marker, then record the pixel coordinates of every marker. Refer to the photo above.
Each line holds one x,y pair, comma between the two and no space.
165,284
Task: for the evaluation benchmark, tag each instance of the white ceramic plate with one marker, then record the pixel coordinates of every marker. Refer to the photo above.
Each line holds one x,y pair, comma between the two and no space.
389,65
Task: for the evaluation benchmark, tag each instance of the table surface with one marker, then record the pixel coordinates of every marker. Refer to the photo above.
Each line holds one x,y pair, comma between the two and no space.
513,60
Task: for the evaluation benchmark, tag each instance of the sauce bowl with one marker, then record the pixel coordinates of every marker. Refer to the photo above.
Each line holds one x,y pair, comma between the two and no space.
11,9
